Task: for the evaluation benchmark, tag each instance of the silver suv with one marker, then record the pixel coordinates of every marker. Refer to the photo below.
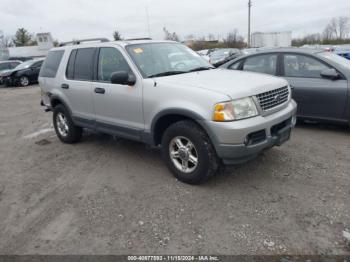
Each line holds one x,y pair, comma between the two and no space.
164,94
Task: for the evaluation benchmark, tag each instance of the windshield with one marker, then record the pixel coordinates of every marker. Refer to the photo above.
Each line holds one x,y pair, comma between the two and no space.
336,59
162,59
25,64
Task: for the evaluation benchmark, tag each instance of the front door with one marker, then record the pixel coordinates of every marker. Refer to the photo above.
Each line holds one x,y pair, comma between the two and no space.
317,97
118,108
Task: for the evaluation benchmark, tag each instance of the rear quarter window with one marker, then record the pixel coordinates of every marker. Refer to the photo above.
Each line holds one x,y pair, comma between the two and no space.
51,64
84,64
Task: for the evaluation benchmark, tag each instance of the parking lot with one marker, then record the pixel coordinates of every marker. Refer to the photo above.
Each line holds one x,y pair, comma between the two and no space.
112,196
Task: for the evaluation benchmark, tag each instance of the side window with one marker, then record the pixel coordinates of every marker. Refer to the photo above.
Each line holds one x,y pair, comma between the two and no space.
4,66
70,65
302,66
14,64
110,60
266,64
235,65
84,64
51,64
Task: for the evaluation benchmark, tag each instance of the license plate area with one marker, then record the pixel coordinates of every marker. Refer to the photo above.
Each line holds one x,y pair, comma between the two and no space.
283,136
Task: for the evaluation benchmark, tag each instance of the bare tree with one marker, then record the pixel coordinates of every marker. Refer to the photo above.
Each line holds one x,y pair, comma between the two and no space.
233,39
337,28
117,36
171,36
6,41
343,27
211,37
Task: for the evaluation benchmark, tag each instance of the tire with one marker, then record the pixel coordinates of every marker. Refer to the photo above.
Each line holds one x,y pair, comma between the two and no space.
24,81
65,129
201,149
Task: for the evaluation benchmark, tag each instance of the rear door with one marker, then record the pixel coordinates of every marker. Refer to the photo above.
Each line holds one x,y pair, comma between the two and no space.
118,108
77,84
317,97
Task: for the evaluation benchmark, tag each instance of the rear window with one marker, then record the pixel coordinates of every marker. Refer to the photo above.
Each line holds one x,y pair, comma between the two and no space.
84,64
51,64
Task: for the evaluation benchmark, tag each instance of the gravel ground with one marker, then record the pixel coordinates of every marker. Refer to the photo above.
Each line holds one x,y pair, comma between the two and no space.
113,196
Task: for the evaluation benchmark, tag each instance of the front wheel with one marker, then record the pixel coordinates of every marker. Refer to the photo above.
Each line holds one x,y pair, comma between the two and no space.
188,153
24,81
65,129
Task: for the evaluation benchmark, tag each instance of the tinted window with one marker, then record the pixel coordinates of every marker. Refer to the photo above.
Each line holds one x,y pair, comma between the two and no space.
14,64
235,66
38,64
4,66
70,66
110,61
83,68
51,64
261,64
303,66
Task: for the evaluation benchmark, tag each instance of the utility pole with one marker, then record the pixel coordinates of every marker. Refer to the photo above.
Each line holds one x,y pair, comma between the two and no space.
249,7
148,23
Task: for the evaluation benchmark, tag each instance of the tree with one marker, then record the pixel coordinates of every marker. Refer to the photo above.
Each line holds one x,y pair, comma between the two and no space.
337,29
170,36
23,38
6,41
234,40
117,36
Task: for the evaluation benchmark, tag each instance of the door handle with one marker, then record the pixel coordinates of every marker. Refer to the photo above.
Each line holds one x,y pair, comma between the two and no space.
99,90
65,86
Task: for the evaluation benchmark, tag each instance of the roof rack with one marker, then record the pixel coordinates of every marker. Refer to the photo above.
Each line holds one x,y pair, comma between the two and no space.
138,39
78,42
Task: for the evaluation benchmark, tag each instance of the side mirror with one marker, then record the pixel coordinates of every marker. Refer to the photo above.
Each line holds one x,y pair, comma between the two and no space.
330,74
123,78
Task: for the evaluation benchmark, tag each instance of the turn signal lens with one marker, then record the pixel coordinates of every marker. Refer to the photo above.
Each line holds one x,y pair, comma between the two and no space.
223,112
235,110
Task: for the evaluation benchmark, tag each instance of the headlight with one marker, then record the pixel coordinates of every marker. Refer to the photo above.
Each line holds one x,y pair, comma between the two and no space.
235,110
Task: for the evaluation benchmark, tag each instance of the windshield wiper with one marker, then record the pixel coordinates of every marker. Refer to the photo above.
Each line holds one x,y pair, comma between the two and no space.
202,68
168,73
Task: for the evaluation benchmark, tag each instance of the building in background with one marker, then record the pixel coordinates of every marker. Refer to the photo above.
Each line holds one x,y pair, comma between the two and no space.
271,39
45,43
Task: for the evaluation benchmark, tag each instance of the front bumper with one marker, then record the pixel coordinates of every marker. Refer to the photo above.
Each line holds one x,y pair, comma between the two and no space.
239,141
9,81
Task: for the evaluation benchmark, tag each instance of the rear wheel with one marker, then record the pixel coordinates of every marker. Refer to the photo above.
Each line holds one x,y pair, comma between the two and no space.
24,81
188,152
65,129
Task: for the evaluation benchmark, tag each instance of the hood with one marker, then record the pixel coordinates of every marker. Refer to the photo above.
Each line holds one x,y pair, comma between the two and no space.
236,84
6,72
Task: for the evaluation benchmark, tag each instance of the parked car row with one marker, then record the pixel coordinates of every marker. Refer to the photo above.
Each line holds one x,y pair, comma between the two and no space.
320,80
16,73
220,56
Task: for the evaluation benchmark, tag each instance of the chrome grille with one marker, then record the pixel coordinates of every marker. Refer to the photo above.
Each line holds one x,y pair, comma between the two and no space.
273,98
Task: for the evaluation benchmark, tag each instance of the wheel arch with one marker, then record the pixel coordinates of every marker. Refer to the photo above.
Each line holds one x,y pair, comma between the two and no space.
170,116
56,100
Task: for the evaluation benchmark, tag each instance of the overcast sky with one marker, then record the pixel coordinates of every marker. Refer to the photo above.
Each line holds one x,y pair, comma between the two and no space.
67,19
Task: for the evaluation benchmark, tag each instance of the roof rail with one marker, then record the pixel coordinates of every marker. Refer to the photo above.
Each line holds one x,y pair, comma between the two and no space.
78,42
136,39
